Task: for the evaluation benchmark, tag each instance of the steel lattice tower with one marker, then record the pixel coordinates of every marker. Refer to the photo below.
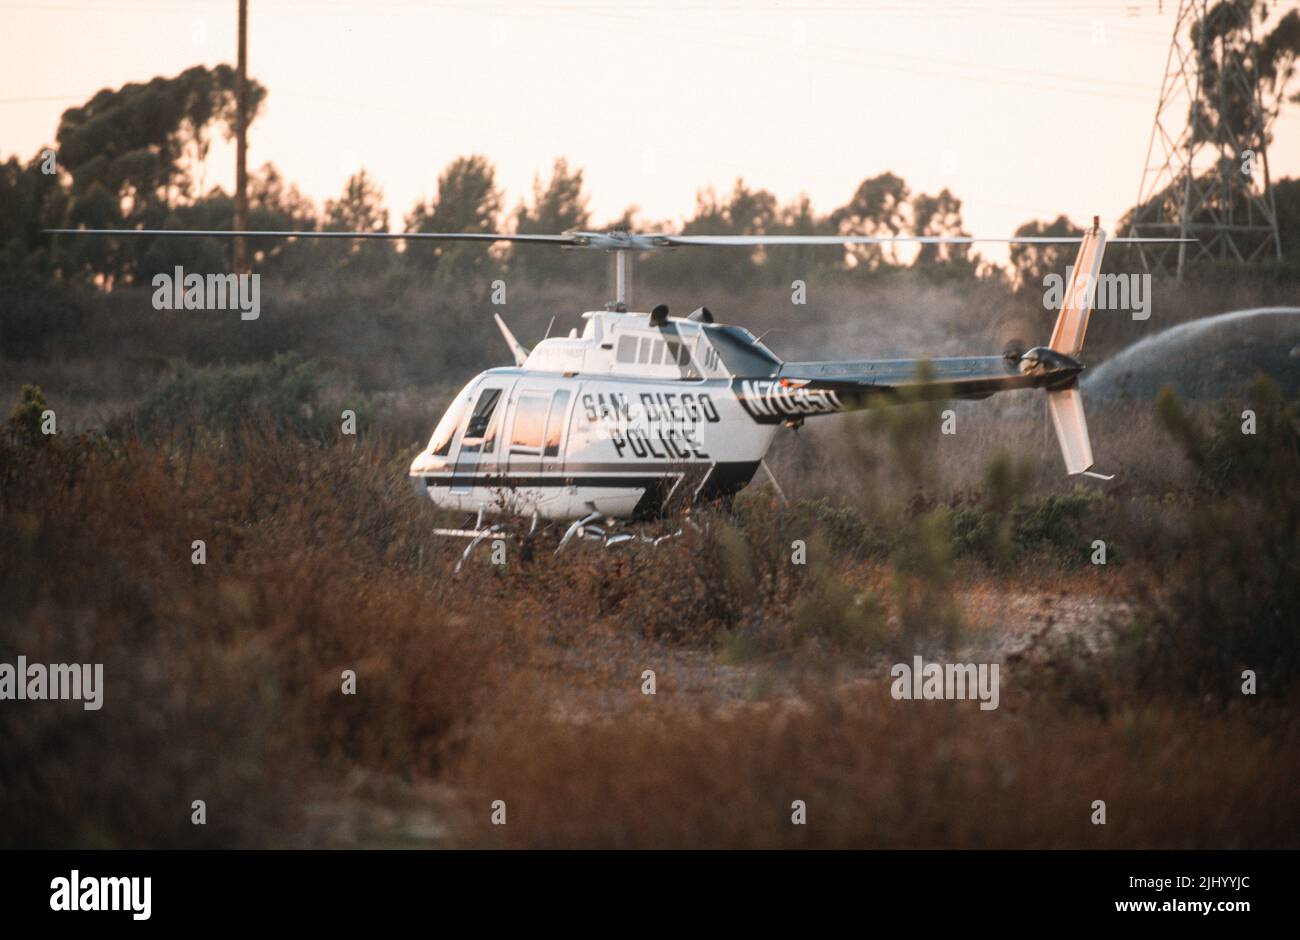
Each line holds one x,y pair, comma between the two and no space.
1195,182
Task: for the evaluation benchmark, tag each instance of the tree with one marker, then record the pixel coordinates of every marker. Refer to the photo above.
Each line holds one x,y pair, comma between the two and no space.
281,206
557,207
787,264
878,207
360,208
744,212
1034,262
468,200
30,200
277,206
1234,71
1278,54
940,216
131,156
1268,64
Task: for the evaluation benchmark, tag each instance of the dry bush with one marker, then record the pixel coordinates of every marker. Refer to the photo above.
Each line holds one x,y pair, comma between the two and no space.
511,682
755,578
223,681
879,773
1230,602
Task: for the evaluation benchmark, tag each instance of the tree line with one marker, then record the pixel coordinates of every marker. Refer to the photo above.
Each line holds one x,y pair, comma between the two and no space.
133,158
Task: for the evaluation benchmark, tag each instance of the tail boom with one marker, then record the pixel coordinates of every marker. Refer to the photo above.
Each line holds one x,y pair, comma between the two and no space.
802,389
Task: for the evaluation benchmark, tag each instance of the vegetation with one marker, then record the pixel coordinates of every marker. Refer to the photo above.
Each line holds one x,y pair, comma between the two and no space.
200,519
1238,613
522,682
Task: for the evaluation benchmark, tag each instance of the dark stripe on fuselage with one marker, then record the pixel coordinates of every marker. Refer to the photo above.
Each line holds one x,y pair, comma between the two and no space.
723,479
548,481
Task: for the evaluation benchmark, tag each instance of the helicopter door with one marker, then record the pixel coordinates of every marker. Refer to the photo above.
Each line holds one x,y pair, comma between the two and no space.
478,442
537,437
553,445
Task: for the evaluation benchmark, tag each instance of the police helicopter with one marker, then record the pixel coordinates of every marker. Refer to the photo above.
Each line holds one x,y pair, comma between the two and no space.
640,410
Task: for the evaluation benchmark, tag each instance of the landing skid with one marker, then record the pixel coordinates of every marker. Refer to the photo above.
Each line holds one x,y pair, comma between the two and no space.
478,534
588,529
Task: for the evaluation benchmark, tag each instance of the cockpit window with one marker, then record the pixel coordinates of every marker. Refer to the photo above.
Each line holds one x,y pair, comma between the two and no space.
478,421
741,353
440,443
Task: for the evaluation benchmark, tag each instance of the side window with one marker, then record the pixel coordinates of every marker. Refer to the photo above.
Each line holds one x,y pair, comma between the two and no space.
480,418
710,354
657,355
644,355
555,423
627,349
530,416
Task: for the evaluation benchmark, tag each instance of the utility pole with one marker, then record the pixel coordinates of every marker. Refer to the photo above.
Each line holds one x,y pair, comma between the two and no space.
241,143
1205,156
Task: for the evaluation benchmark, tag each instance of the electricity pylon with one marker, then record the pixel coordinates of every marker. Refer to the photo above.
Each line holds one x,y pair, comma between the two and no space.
1206,175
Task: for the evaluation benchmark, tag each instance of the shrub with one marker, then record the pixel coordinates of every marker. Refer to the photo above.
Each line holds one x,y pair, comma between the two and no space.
219,399
1231,602
923,581
33,319
222,681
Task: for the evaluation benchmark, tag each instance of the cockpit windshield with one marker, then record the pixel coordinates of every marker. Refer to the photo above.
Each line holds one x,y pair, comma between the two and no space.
741,353
440,443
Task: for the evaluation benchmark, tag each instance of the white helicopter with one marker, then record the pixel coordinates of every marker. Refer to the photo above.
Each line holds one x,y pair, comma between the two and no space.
644,409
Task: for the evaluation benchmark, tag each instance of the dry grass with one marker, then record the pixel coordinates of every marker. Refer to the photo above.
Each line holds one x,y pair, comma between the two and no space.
523,682
878,773
222,680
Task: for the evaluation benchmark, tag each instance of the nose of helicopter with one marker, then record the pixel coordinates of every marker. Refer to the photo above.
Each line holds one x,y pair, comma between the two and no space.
423,464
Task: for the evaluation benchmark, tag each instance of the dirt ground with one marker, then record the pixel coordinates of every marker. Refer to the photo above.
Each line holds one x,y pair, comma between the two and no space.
1002,623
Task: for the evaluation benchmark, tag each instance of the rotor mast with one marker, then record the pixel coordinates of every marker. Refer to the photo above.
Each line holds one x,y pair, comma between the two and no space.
622,277
619,241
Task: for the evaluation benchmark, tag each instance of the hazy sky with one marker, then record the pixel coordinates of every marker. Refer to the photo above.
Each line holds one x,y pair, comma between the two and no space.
1024,109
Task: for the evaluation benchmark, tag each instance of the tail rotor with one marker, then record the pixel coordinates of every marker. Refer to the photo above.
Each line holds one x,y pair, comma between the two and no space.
1066,404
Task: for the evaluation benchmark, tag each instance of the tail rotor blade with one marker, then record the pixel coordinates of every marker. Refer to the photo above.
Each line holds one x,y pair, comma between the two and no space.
1072,323
1066,406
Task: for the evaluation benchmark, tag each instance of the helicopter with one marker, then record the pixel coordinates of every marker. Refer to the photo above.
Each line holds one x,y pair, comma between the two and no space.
640,409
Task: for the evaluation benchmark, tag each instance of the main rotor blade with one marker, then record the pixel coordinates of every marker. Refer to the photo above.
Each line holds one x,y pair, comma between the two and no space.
758,240
622,241
408,236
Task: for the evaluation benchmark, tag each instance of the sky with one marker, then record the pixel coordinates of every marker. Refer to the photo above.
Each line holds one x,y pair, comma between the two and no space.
1023,108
